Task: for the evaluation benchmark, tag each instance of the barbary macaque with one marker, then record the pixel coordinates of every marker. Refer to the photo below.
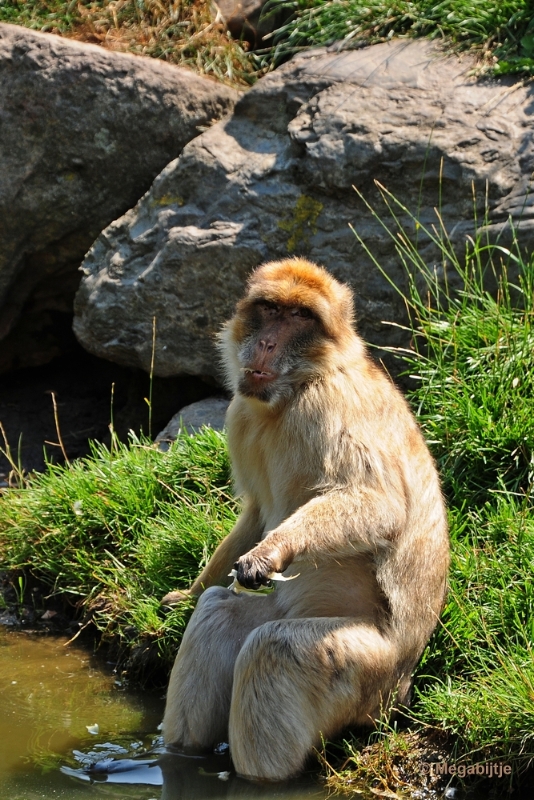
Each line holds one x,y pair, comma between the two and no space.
340,493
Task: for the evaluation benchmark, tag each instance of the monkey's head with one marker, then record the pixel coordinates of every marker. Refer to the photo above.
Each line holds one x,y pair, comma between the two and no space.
294,322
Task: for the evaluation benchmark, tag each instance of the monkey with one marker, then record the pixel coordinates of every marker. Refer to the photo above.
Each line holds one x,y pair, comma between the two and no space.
341,494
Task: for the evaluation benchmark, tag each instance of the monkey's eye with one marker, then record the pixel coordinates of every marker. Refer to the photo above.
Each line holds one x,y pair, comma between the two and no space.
302,312
269,306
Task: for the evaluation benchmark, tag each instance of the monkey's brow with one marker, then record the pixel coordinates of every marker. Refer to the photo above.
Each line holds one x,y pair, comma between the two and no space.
266,301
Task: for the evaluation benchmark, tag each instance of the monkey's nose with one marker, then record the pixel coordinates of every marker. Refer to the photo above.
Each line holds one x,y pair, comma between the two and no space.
267,346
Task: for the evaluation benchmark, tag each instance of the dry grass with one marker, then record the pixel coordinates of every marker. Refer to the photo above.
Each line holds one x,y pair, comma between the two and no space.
391,764
185,32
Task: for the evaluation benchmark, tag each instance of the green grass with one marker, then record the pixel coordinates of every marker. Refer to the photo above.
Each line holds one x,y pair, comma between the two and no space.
476,406
476,681
503,30
117,530
472,369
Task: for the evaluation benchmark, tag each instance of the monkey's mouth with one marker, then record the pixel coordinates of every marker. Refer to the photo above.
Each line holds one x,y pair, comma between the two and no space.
259,375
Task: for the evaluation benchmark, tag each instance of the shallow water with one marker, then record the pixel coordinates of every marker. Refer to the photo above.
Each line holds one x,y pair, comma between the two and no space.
54,695
50,694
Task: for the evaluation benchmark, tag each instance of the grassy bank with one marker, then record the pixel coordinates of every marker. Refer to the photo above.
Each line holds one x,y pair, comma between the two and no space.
190,33
112,533
476,405
502,33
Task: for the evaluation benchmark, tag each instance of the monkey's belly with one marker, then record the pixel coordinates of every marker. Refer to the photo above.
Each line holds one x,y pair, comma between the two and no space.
328,588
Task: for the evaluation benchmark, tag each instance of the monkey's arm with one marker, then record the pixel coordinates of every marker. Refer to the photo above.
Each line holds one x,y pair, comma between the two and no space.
363,520
244,535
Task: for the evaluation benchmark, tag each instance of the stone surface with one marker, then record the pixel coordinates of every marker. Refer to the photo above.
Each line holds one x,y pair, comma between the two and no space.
83,132
210,412
276,179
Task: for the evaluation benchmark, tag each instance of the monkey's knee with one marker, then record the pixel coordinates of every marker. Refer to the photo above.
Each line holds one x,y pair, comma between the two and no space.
200,685
213,612
297,681
214,596
272,725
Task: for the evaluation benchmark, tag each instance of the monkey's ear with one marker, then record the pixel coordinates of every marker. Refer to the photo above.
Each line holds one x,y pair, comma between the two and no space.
227,343
341,313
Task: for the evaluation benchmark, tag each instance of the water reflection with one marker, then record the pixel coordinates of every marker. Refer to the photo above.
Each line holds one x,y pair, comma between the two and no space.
185,780
54,695
188,778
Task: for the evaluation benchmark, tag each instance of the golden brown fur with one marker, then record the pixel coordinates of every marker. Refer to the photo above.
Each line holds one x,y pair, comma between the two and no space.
339,487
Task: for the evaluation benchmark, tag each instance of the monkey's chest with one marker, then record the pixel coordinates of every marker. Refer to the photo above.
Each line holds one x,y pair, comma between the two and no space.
274,464
278,478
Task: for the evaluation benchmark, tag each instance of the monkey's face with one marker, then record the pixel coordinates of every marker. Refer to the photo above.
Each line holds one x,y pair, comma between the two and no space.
275,355
293,325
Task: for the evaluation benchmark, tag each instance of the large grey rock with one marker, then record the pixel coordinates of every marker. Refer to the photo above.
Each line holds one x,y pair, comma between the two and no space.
276,179
83,133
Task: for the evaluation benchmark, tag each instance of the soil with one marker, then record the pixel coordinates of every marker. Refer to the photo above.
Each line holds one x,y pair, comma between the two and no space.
88,392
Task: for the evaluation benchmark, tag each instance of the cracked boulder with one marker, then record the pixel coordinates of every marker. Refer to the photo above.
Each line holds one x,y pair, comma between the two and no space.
83,133
277,178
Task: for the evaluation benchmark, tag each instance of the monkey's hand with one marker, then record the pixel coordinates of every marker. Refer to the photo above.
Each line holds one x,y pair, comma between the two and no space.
175,598
256,567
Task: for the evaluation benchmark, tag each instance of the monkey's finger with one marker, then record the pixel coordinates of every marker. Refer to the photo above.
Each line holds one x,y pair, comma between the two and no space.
237,588
175,598
249,577
245,575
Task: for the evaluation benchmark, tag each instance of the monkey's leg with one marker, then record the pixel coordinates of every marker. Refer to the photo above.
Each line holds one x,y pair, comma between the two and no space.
297,680
200,686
